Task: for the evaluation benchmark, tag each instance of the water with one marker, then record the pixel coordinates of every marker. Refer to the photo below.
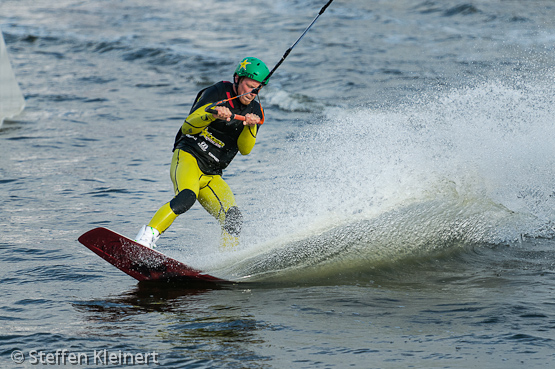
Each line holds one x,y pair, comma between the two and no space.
399,203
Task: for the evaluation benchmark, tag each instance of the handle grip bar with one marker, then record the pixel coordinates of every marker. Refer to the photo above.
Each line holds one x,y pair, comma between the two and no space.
210,109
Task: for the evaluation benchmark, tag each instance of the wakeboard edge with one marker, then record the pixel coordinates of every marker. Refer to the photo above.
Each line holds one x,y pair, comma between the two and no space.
138,261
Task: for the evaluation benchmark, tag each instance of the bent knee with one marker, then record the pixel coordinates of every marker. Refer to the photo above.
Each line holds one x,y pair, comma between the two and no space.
183,201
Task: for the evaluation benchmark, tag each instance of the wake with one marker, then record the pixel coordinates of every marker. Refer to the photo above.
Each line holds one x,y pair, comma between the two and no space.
473,166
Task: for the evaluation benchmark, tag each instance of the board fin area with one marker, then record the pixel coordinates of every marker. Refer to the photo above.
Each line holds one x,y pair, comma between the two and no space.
138,261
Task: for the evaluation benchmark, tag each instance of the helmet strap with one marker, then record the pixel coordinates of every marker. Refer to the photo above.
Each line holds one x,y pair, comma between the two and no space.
236,80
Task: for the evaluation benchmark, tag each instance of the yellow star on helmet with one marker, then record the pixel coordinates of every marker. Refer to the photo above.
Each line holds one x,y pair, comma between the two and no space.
244,64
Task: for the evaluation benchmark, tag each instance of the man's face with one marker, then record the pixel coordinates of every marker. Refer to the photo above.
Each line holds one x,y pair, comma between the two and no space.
246,85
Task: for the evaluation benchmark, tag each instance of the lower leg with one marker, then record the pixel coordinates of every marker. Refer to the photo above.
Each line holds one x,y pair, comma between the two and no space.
231,227
216,197
165,216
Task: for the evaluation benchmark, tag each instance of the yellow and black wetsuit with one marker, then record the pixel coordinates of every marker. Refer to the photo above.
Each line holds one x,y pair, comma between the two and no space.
204,146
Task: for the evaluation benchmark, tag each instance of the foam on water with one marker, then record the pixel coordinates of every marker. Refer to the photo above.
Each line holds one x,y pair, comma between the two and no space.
364,186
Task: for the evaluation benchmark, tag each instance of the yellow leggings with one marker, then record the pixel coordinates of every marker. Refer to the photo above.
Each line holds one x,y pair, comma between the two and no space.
212,192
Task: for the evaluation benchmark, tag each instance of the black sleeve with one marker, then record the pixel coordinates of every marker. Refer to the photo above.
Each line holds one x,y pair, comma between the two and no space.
207,96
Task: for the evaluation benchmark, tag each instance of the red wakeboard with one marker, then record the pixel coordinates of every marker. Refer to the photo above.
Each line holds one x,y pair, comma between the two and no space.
140,262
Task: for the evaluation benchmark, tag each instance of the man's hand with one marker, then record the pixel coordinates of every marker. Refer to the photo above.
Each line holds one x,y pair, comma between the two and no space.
251,120
223,113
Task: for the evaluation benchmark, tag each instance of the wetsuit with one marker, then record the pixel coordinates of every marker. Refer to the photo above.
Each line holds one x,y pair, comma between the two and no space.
203,147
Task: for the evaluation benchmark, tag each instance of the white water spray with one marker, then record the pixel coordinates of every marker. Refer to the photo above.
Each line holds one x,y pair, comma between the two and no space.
472,166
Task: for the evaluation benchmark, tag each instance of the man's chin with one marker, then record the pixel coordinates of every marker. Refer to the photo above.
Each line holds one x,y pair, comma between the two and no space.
245,101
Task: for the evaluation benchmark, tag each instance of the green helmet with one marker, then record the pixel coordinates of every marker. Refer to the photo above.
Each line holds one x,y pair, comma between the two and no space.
253,68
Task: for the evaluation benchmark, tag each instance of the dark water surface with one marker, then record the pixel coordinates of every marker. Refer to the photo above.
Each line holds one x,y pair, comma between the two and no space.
399,204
